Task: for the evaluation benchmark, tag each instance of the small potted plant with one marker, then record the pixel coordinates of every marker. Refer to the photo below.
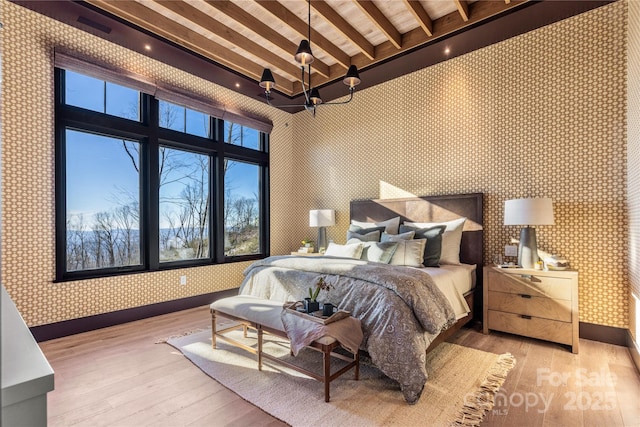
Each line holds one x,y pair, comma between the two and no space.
310,303
307,246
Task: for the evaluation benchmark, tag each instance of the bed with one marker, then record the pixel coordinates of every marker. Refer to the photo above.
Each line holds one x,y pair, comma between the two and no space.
404,311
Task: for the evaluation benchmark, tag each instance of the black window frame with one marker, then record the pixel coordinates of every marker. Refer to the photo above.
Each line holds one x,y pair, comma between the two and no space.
151,136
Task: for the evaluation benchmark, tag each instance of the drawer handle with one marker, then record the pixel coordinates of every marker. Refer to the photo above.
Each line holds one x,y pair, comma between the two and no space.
525,296
524,316
526,276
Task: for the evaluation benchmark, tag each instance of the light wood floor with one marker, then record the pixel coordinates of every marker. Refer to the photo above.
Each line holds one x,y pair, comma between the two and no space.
118,376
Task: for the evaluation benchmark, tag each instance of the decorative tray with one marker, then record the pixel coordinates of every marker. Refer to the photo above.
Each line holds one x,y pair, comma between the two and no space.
316,316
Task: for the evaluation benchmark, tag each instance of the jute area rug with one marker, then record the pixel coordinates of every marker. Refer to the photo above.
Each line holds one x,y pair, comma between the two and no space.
461,387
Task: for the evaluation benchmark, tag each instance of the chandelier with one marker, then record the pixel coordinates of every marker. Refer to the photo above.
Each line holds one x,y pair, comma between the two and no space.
305,58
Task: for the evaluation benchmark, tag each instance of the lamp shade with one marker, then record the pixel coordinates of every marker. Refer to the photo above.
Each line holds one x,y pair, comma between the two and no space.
352,78
322,217
267,81
534,211
303,55
314,98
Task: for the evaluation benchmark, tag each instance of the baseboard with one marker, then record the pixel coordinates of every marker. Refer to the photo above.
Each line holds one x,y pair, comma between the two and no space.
634,349
602,333
590,331
84,324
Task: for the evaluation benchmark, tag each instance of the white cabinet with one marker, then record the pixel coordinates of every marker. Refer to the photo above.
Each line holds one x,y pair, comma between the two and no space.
27,376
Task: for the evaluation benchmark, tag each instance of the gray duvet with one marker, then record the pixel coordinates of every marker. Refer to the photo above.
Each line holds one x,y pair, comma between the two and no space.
400,308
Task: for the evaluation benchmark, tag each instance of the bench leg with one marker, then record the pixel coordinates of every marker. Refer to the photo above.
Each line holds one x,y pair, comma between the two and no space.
356,357
326,358
259,347
213,328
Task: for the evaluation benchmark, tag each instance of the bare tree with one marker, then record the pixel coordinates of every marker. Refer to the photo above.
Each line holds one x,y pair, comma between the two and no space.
107,238
77,245
125,219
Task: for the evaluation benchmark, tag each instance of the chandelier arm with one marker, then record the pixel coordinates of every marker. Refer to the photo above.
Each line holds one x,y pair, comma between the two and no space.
266,94
304,88
340,102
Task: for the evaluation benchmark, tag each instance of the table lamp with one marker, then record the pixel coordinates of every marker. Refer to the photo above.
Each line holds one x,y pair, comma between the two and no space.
322,218
528,212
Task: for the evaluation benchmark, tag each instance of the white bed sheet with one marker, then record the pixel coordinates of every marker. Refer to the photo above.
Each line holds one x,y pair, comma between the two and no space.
454,281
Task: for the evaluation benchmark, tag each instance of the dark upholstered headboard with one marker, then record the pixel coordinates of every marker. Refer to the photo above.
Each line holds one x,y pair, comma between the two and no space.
434,209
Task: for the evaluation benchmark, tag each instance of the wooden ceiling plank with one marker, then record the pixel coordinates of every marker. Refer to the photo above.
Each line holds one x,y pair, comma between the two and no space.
442,26
381,21
201,19
260,28
343,27
421,15
170,30
463,9
302,27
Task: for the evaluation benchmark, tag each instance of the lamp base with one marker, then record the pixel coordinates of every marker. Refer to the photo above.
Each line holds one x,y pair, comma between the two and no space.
322,238
528,248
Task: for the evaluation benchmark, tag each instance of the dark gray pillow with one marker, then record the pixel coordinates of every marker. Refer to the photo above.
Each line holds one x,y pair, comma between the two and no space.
355,230
433,248
362,230
372,236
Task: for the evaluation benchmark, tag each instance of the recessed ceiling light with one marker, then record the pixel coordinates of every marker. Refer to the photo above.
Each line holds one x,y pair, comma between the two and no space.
238,85
447,51
147,47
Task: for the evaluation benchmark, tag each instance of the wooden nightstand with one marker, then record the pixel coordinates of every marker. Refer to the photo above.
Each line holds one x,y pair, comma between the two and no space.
532,303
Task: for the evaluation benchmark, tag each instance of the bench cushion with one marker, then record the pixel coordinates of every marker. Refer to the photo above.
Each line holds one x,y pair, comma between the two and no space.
262,311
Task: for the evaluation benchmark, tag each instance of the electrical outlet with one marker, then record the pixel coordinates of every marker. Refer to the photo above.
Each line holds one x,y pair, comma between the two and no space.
511,250
183,280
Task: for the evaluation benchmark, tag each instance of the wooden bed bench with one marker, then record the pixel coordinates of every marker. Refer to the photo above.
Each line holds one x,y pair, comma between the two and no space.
265,316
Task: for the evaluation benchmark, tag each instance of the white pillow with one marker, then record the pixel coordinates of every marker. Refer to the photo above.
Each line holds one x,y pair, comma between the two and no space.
390,226
353,250
450,239
386,237
409,253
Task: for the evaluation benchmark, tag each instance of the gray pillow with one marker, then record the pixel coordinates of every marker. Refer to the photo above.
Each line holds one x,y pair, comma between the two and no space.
433,249
386,237
372,236
362,230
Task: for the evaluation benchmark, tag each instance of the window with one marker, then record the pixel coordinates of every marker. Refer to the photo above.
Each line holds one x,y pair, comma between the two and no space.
184,205
102,226
241,135
136,194
183,119
103,97
241,208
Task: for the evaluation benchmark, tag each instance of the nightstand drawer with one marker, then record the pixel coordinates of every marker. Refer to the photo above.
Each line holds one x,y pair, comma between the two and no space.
531,284
552,330
545,308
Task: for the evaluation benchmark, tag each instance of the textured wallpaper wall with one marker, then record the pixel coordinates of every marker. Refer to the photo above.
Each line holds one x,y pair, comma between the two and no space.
633,161
542,114
28,234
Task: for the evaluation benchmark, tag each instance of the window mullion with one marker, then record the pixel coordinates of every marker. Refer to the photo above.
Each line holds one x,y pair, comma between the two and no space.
152,187
218,185
60,177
